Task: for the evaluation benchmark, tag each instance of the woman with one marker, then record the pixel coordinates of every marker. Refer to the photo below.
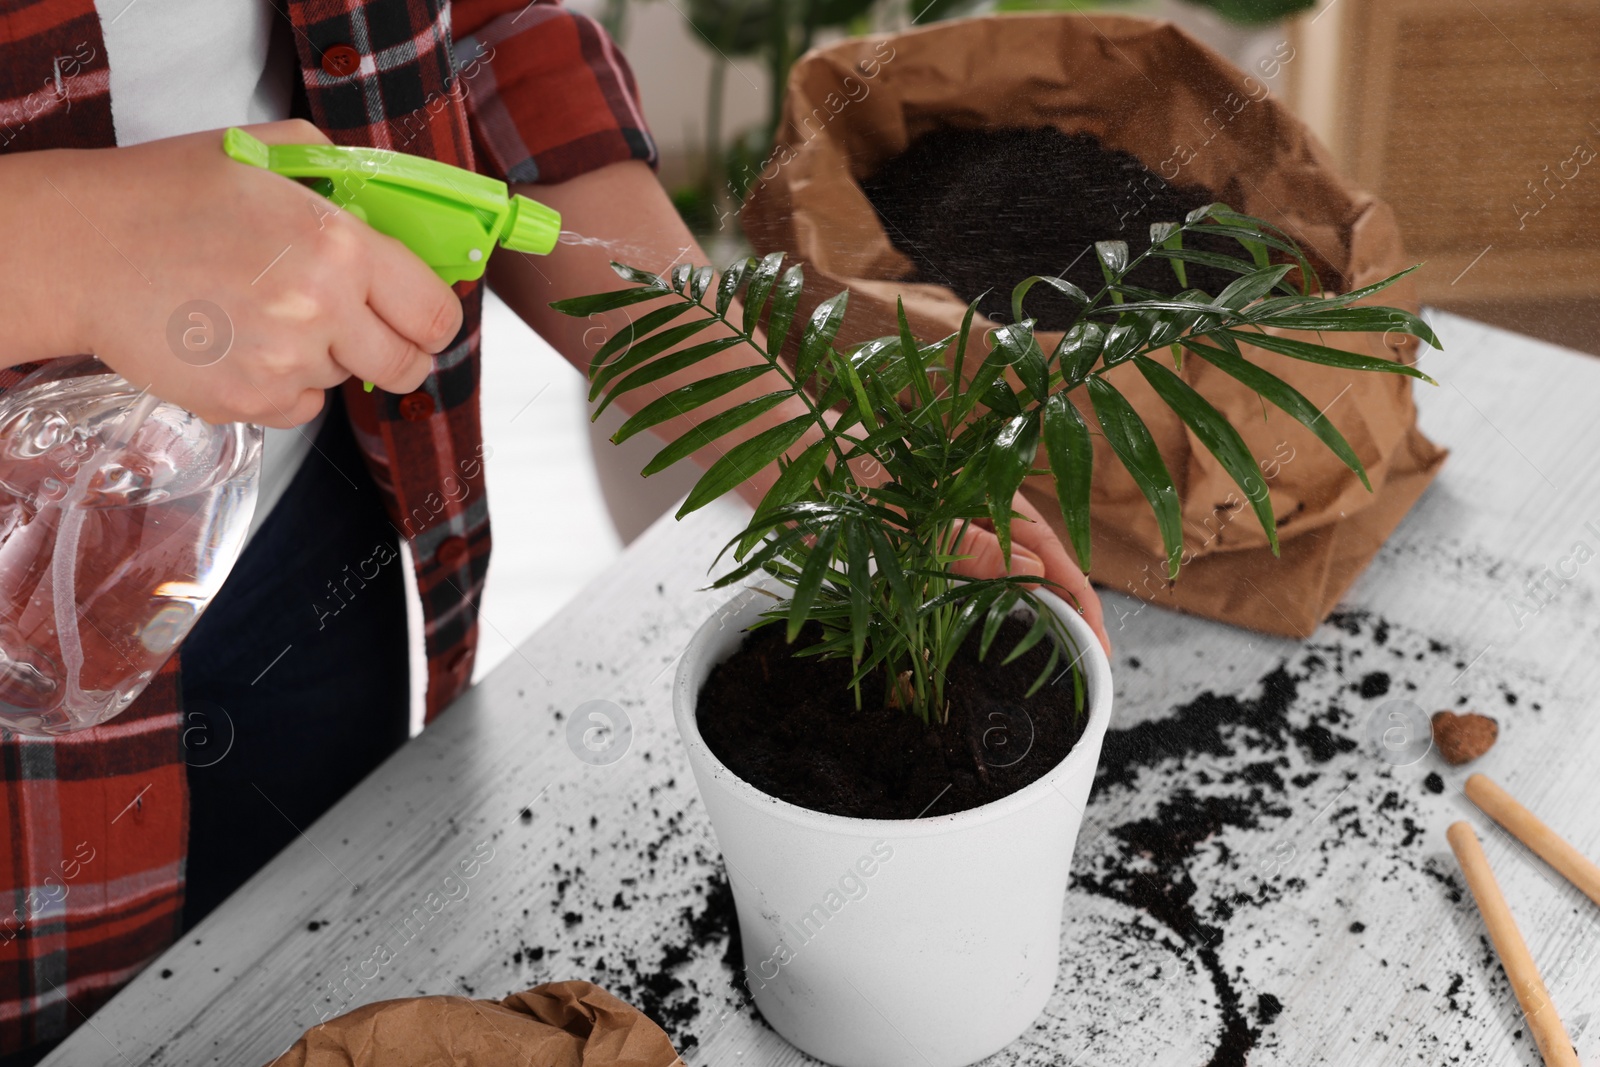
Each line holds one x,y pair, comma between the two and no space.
120,210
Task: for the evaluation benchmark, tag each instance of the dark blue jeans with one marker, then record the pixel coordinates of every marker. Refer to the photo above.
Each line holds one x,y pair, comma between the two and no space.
295,680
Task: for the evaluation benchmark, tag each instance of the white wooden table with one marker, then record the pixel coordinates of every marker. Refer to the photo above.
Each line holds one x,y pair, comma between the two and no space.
1263,884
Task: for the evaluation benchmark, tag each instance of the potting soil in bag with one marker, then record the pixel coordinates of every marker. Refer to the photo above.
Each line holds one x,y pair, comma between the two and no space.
937,164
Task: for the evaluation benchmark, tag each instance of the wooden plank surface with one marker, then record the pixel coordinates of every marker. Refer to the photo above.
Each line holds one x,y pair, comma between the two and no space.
1253,879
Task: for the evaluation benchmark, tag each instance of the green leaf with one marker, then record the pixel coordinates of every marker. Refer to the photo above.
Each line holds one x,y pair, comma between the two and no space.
700,283
680,277
863,410
1219,437
744,460
667,366
1130,439
639,277
1071,454
729,285
1204,259
867,361
1036,632
761,282
858,555
1354,295
819,332
641,351
711,429
684,400
1354,320
1034,371
785,298
1257,250
584,306
1049,669
979,597
1252,286
1079,350
1016,347
959,356
1286,397
1248,230
1113,257
1010,458
913,355
999,611
889,567
1130,334
1331,357
796,480
639,329
1170,235
811,577
1060,285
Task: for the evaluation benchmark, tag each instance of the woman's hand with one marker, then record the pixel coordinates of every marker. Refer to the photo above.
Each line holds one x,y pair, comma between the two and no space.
1035,549
298,294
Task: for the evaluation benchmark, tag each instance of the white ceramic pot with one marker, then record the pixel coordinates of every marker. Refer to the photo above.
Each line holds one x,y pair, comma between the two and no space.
896,943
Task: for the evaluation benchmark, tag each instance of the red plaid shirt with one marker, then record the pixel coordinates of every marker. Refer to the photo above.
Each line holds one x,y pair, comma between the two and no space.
93,826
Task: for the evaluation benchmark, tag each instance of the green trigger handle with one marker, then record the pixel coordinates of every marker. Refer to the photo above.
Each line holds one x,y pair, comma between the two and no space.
451,218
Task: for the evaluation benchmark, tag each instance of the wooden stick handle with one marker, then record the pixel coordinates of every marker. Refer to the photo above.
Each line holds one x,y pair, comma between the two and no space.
1548,1033
1526,827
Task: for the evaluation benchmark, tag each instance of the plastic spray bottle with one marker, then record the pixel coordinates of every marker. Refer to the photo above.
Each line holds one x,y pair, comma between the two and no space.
121,515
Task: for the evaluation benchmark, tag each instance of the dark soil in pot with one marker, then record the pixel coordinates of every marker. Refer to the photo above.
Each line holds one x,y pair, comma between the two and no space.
789,726
979,210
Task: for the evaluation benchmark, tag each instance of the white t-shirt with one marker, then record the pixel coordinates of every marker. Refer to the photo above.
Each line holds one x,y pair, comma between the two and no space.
181,66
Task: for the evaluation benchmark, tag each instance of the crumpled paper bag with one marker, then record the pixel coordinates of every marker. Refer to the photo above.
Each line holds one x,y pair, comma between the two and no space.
560,1024
1145,87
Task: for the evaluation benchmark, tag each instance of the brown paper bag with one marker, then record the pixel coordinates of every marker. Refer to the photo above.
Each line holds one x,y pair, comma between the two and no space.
1146,88
561,1024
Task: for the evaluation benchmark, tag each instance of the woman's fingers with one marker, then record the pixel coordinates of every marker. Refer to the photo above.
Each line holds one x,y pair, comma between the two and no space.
411,298
1038,536
1035,549
985,560
374,352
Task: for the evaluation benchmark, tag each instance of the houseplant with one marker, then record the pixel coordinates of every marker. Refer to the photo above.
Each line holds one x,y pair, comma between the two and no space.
958,954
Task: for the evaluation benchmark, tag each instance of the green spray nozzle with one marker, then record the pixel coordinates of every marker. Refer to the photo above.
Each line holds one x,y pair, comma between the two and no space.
451,218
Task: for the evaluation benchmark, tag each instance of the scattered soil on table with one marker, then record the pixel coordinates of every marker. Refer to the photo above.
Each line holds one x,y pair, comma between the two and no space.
656,989
979,210
789,726
1260,787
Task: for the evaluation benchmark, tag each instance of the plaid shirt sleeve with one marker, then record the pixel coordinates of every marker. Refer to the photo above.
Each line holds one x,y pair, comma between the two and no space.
549,95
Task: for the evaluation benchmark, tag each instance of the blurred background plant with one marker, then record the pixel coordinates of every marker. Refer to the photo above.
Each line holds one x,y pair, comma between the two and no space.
715,174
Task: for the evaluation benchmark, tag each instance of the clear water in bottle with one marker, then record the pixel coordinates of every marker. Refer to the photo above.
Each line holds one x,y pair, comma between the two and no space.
120,517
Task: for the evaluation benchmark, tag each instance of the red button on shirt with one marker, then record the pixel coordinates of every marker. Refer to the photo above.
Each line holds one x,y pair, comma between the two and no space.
414,407
452,552
340,61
